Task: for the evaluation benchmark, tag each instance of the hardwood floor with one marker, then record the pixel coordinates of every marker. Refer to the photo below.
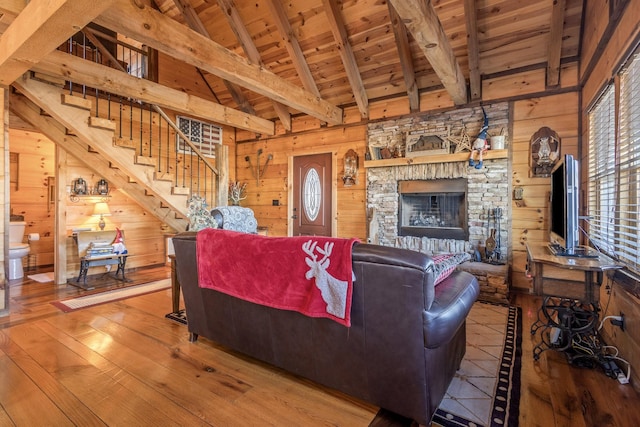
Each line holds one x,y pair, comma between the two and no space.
124,363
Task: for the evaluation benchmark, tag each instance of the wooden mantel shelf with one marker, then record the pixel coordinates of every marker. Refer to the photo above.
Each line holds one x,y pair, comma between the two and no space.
436,158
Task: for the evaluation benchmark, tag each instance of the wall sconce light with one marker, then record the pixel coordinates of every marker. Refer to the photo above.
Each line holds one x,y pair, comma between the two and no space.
79,186
102,187
101,209
256,171
350,168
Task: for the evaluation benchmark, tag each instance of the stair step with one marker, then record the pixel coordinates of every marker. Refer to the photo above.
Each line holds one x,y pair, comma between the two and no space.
164,176
181,191
147,161
99,122
57,81
124,143
76,101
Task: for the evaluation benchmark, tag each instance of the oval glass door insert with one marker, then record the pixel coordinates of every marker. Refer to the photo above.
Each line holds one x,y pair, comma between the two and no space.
312,194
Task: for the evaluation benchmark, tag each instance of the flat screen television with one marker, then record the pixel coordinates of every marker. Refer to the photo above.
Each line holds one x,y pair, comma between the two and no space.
564,227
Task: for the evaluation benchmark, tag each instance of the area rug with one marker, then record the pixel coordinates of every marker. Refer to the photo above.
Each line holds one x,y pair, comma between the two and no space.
42,277
486,389
179,316
110,296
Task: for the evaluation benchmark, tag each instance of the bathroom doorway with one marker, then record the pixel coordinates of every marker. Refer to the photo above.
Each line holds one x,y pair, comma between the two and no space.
32,166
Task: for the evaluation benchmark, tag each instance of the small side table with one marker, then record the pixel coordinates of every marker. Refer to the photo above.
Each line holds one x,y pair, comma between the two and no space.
175,285
570,307
100,260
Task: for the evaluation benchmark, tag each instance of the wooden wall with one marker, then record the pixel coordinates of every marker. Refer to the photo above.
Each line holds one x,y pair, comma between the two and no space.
274,184
531,214
144,234
604,50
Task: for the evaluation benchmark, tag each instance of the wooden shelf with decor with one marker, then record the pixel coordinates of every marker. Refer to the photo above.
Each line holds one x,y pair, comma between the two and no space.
434,158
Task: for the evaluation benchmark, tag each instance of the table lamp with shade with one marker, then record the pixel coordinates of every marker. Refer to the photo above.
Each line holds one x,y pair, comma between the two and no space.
101,209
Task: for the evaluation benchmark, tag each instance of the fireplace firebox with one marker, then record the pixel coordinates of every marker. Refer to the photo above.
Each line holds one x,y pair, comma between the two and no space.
433,208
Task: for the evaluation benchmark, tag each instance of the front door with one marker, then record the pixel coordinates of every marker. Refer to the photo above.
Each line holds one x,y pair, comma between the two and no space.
312,195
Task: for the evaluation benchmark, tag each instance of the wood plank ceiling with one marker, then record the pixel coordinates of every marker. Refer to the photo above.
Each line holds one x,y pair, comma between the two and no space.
271,58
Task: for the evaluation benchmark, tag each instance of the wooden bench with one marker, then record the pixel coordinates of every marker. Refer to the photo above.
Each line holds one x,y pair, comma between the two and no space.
84,240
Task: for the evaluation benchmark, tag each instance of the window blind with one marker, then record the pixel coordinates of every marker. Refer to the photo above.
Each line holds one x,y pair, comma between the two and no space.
614,169
602,171
627,228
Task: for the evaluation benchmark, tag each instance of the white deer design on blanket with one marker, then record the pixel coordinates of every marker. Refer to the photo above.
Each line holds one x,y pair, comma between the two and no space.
333,290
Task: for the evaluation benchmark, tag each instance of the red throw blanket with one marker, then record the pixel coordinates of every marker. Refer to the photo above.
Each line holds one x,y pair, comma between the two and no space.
312,274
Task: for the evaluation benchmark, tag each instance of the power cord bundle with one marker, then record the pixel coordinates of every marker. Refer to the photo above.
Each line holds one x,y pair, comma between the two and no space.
608,361
611,367
591,348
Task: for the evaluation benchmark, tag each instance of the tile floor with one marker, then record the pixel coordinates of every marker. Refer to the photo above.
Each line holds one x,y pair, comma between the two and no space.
475,382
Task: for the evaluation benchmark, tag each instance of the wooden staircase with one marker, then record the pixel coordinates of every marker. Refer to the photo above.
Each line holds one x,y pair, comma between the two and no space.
67,121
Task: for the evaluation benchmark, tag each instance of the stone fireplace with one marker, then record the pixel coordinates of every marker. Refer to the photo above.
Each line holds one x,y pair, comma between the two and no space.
483,190
439,204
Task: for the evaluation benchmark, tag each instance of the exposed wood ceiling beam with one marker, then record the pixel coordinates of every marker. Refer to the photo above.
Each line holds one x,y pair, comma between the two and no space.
336,23
40,28
473,49
242,34
421,19
95,75
191,17
290,42
160,32
555,43
406,59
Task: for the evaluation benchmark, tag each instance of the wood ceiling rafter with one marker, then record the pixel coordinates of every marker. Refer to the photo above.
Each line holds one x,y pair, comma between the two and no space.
336,23
290,42
39,29
473,49
406,59
193,21
96,75
244,38
165,34
423,23
555,43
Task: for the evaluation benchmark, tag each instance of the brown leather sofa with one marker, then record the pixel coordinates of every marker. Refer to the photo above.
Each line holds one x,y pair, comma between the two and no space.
406,340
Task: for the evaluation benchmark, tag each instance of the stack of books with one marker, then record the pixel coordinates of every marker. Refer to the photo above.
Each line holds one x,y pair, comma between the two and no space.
99,248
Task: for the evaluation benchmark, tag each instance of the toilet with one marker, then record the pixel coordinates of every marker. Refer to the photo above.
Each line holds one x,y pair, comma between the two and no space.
17,249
